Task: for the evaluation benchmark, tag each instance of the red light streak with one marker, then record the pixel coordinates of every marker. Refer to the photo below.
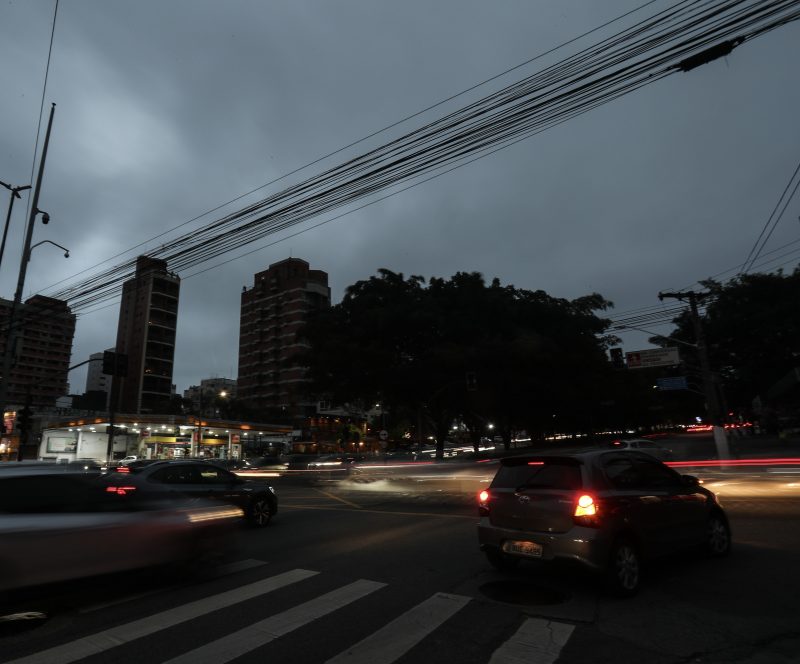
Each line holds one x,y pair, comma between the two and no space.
781,461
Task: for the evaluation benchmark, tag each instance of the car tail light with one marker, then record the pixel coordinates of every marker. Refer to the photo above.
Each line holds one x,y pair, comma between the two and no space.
483,503
123,469
586,511
120,490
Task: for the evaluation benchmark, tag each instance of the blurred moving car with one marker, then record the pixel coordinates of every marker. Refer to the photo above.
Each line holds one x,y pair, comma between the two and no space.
333,466
643,445
199,479
607,510
59,526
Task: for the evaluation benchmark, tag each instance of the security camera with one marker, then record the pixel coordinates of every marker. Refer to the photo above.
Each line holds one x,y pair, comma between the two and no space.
45,218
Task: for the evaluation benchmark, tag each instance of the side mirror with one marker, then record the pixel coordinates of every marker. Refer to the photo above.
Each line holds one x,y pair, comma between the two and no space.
690,480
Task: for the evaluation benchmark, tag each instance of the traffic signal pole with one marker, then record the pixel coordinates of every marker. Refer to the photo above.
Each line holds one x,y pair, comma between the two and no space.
709,381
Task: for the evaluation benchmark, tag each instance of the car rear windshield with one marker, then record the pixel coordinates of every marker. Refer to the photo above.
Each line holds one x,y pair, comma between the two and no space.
541,474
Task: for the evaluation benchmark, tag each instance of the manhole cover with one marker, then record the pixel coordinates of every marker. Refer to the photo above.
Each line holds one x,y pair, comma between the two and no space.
513,591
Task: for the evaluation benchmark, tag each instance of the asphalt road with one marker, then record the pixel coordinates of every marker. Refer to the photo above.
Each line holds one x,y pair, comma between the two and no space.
390,571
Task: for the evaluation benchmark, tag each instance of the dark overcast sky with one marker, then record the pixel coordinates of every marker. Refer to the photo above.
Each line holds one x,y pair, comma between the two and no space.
168,109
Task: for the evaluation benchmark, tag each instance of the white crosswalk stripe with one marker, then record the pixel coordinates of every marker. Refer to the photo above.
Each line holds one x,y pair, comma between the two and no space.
234,645
116,636
537,641
399,636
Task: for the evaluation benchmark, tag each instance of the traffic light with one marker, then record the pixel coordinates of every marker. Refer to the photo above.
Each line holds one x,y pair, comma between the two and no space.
24,419
617,359
115,364
109,360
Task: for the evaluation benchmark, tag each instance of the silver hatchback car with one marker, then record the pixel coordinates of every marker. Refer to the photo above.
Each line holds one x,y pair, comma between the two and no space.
607,510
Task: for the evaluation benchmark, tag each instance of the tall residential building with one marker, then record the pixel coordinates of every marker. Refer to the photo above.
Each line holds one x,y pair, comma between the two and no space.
148,317
274,310
44,346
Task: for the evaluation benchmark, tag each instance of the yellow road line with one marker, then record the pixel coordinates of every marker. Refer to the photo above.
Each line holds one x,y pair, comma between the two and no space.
333,497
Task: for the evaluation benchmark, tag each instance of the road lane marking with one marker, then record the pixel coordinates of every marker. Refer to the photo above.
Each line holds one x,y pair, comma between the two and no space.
398,637
537,641
245,640
334,497
121,634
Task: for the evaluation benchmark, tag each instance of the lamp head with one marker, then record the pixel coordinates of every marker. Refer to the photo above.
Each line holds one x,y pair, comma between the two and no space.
45,218
66,254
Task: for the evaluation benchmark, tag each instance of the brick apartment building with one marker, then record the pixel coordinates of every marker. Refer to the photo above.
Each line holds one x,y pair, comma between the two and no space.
273,311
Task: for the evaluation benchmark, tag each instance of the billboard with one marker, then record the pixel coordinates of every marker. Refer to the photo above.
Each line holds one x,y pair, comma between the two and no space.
652,357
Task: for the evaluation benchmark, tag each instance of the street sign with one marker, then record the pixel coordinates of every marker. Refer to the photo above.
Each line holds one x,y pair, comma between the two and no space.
672,383
652,357
384,435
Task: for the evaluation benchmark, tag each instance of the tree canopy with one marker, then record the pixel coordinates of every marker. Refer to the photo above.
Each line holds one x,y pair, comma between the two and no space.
752,330
459,348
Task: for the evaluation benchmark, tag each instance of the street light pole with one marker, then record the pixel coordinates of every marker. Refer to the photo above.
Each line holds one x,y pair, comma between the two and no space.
11,335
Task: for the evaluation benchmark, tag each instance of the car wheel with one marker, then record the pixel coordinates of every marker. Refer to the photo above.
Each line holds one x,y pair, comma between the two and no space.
259,513
501,561
718,536
624,572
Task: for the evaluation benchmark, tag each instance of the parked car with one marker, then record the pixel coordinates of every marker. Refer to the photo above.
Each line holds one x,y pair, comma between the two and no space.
57,525
201,479
643,445
607,510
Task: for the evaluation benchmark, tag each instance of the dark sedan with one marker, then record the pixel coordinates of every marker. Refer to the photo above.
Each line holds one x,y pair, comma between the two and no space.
198,479
608,510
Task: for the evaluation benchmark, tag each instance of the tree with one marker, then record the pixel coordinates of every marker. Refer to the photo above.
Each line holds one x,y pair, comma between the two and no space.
752,330
459,348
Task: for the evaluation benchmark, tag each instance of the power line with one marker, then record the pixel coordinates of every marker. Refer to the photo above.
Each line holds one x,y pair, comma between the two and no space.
622,63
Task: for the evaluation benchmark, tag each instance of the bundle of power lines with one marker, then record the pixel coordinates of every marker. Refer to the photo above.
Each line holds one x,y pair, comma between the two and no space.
686,35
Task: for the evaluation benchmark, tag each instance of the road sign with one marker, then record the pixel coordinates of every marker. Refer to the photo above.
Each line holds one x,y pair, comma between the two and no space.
652,357
384,435
672,383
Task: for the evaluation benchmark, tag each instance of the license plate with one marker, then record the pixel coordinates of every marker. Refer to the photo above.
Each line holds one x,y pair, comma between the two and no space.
518,548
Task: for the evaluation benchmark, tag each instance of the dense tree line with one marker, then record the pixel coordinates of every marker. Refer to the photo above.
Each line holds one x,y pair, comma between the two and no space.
458,349
752,329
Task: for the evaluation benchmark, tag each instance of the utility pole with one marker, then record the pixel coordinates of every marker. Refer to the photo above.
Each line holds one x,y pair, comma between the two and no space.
709,382
12,335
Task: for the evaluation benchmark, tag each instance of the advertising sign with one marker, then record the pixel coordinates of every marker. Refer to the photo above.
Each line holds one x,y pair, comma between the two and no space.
652,357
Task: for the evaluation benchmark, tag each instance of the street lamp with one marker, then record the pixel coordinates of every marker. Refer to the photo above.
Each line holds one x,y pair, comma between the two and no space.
55,244
14,194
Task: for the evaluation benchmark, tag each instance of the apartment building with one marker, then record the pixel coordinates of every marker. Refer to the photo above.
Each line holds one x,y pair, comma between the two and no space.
44,347
148,317
273,311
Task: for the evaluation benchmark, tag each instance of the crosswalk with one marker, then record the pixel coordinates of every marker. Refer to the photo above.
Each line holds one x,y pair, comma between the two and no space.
536,641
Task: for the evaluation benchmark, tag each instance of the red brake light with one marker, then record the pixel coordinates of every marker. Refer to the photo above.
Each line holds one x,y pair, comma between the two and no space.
586,506
587,511
123,469
483,503
120,490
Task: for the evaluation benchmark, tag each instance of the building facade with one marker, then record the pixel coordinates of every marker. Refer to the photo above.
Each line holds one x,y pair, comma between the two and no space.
44,347
206,397
271,379
148,318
